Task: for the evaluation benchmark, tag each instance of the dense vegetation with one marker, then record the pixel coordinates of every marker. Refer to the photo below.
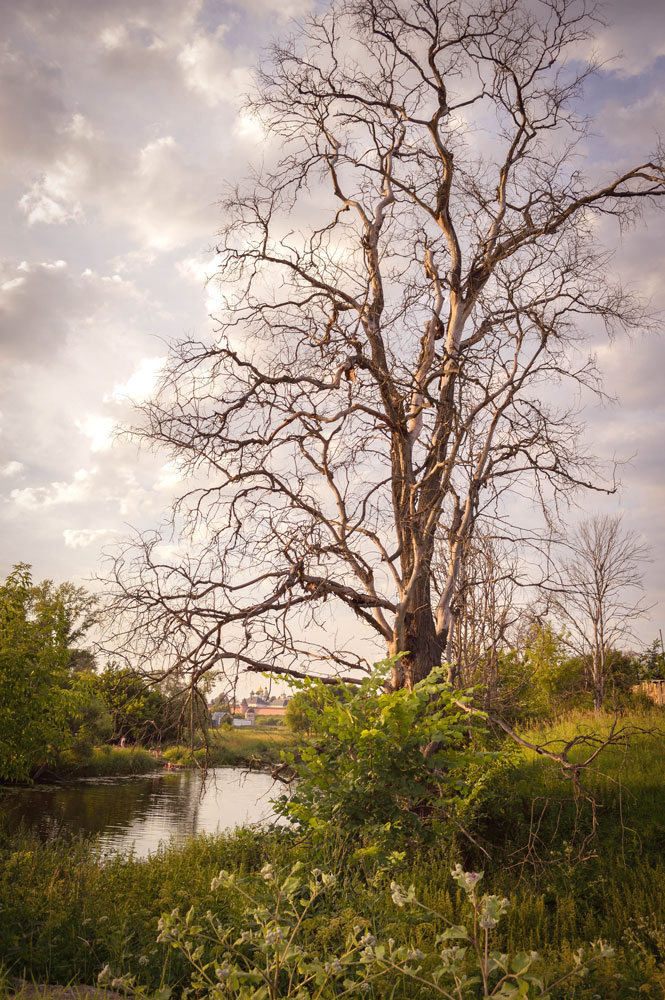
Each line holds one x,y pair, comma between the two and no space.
59,713
394,790
74,915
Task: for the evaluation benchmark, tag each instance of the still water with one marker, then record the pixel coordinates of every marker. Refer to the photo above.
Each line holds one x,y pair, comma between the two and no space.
139,812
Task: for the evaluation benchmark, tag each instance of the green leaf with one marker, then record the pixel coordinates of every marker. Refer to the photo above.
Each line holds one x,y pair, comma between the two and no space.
457,932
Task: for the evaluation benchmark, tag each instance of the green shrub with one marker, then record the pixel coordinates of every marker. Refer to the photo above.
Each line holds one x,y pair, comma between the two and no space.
382,769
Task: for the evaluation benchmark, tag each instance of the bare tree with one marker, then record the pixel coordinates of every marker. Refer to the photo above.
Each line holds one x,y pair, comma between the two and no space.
487,613
403,296
599,597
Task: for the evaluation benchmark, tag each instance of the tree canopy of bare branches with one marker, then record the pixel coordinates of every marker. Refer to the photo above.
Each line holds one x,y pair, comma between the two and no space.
599,594
403,296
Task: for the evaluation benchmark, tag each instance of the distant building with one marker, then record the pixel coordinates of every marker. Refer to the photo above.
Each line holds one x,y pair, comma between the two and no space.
261,703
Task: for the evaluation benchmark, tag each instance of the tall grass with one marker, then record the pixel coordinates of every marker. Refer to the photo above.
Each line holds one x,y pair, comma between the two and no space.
236,746
76,911
626,781
65,912
108,761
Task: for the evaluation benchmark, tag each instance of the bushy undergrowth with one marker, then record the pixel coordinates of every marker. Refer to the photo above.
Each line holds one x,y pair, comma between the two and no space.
382,771
273,959
74,914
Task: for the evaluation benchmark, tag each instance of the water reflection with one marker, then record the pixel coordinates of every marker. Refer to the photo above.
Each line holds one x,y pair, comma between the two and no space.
142,811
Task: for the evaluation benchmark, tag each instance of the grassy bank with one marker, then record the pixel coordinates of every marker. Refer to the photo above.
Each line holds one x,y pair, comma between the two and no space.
75,915
227,747
108,761
626,782
236,747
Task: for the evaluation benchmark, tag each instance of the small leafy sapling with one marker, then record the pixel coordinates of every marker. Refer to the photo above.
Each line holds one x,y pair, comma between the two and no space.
272,958
466,960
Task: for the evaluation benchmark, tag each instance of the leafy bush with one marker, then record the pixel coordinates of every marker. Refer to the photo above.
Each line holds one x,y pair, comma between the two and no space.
382,768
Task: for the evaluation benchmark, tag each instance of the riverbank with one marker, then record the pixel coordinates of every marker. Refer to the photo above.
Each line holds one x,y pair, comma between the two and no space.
235,748
226,748
74,915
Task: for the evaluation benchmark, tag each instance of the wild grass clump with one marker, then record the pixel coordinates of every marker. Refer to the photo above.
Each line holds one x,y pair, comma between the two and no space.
77,909
543,819
234,747
109,761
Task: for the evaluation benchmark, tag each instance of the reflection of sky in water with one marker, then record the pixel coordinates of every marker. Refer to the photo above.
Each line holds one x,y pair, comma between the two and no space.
143,811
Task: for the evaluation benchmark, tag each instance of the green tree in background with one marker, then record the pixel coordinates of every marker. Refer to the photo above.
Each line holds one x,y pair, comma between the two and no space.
139,712
651,662
34,631
49,695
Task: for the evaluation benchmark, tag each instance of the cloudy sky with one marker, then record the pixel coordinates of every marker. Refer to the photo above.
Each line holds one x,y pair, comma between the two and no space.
119,125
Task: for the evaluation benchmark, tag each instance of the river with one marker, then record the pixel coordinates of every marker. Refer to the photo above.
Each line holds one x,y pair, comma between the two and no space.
140,812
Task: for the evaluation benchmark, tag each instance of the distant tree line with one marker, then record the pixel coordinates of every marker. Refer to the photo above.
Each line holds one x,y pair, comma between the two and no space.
54,703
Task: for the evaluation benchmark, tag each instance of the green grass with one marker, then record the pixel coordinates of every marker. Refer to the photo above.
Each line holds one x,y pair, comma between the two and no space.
74,914
626,781
227,747
108,761
236,746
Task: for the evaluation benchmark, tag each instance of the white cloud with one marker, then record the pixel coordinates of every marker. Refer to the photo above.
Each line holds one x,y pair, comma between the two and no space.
209,71
47,202
43,304
99,430
79,490
634,32
32,110
282,9
141,383
82,538
249,128
201,273
12,469
170,475
154,191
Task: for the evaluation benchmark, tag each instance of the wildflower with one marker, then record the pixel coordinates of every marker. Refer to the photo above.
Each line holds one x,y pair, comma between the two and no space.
266,871
415,955
275,935
467,880
368,938
222,879
400,897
